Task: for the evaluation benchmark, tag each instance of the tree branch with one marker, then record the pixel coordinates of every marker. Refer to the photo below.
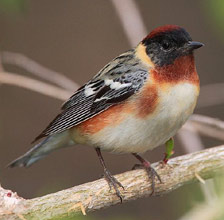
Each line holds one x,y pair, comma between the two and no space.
96,195
210,127
131,20
38,70
34,85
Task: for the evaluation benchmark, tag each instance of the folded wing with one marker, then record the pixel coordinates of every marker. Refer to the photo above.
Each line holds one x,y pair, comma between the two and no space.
115,83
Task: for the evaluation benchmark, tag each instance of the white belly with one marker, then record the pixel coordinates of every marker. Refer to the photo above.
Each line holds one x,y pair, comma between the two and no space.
137,135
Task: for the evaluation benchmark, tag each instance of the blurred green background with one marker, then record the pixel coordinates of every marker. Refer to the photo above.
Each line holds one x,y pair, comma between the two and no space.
77,38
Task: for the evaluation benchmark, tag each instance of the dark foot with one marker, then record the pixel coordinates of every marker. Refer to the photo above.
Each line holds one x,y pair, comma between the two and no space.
152,174
112,181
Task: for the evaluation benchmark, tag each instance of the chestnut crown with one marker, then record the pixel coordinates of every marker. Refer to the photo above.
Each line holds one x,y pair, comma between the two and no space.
167,43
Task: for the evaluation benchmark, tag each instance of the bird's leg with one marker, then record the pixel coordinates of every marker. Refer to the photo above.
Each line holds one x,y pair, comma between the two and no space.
112,181
149,169
169,150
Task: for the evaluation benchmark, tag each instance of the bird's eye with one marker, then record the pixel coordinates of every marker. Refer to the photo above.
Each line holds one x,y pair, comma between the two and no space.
166,45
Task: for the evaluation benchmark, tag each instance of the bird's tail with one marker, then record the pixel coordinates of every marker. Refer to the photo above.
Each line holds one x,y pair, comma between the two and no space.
42,149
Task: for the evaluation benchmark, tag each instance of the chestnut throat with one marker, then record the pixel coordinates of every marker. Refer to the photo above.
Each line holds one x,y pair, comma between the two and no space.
182,69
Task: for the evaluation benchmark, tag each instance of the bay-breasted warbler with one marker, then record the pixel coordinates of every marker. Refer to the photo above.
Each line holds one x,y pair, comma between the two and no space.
135,103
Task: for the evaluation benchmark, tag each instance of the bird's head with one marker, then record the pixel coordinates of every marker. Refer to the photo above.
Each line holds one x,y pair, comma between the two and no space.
167,43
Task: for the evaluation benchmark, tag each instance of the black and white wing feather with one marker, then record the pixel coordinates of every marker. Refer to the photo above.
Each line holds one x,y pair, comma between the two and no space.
116,82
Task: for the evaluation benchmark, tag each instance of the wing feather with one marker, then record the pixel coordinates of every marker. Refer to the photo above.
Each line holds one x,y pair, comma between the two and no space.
107,88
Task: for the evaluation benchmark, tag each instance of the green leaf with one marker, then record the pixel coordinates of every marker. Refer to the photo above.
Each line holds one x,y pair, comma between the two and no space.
169,148
13,5
215,15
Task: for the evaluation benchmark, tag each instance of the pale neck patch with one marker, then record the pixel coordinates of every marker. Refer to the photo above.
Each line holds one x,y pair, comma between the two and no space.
141,54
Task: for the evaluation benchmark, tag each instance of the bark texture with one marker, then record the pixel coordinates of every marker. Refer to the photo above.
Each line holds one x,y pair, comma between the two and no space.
96,195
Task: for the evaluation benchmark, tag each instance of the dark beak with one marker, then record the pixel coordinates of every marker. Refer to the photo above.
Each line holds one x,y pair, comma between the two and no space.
192,45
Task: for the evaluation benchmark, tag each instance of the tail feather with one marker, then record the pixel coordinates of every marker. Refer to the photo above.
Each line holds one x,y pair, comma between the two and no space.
42,149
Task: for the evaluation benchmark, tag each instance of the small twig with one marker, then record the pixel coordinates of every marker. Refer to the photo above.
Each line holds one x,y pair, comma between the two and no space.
199,178
191,142
211,95
208,121
34,85
131,20
190,139
85,198
205,125
36,69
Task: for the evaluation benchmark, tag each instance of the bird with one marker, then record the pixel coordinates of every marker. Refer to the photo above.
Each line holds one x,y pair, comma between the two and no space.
135,103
